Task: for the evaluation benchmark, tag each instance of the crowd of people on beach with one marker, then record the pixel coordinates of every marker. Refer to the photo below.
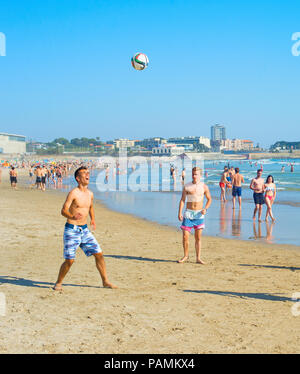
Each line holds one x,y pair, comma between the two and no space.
42,174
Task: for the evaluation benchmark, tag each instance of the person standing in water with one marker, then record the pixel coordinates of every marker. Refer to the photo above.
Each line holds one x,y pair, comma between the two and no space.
237,181
270,194
223,182
257,186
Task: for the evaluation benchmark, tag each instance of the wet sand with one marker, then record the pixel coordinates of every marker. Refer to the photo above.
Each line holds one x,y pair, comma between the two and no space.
239,302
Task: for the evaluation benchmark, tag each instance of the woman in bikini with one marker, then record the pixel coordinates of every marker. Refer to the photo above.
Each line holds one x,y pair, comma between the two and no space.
270,194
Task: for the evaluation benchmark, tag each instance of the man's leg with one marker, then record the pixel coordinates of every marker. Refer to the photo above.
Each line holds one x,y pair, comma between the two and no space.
259,213
65,267
100,264
185,244
198,234
255,210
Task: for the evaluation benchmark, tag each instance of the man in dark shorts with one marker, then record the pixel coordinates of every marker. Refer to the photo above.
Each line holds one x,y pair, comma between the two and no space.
13,177
38,181
257,185
237,181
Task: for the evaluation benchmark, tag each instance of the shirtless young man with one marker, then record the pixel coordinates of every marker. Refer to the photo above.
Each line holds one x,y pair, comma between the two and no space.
43,178
38,181
13,178
257,185
77,207
193,217
237,181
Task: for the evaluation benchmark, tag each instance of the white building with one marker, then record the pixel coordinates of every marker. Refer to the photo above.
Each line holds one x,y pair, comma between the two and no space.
11,143
191,140
237,145
124,143
168,150
205,141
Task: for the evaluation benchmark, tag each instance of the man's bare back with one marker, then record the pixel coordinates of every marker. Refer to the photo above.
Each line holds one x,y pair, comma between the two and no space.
38,172
13,173
238,179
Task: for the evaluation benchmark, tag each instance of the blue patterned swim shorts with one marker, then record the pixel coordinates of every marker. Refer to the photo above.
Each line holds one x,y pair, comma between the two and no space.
79,236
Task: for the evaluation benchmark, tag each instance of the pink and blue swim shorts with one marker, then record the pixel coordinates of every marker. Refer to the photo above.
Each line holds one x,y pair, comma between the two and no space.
192,219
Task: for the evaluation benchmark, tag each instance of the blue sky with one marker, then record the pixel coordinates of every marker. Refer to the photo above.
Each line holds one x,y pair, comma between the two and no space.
67,69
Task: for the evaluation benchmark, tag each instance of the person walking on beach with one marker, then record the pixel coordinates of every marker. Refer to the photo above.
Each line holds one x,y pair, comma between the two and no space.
13,177
257,186
193,217
77,207
237,181
270,194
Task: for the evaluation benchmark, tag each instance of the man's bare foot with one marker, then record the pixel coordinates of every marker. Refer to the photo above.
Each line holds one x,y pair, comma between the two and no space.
57,287
200,262
109,285
184,259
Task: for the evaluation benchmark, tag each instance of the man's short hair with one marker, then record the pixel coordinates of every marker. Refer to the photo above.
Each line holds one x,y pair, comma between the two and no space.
196,168
78,170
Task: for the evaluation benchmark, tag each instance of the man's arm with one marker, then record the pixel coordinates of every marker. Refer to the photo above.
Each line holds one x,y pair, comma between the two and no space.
208,199
92,213
181,205
65,211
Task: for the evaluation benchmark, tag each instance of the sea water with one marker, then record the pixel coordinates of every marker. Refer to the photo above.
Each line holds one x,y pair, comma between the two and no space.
221,220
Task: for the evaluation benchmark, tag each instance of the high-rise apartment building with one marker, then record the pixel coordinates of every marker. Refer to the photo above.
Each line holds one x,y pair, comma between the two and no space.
217,133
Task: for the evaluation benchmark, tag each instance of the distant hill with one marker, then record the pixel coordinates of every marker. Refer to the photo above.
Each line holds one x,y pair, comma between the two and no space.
285,145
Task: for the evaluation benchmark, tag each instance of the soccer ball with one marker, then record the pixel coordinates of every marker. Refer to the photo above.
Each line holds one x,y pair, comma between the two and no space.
139,61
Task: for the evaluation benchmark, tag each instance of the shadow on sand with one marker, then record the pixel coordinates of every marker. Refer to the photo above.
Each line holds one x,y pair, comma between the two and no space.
244,295
6,279
138,258
292,268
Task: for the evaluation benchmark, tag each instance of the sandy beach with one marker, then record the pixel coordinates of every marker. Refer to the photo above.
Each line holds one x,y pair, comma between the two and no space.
239,302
